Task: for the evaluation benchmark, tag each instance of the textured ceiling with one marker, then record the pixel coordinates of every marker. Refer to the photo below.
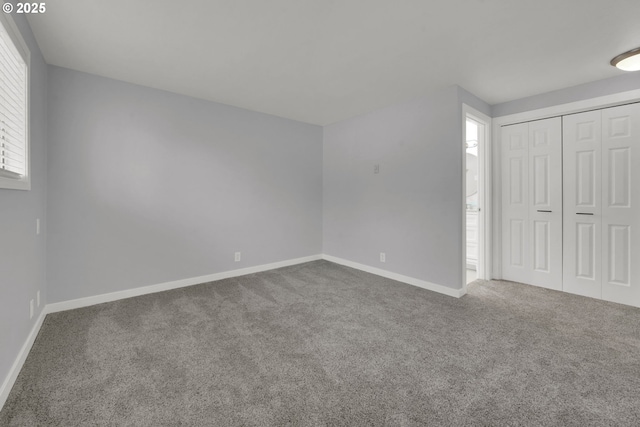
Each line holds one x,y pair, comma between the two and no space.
321,61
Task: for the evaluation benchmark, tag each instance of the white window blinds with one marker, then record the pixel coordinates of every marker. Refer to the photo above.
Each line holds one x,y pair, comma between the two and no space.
13,109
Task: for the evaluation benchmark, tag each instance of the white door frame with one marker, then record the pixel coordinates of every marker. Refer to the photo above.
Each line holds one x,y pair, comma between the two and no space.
484,199
527,116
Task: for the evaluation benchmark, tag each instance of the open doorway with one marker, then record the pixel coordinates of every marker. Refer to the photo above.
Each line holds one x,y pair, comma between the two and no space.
472,201
476,137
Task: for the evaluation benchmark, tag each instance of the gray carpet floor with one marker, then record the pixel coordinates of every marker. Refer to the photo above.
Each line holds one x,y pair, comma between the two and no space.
321,344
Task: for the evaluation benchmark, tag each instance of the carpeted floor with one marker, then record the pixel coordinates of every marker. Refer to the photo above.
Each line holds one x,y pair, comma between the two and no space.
321,344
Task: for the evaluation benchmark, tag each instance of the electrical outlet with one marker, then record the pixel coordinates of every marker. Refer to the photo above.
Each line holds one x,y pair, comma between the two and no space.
237,256
37,225
38,298
383,257
376,168
31,309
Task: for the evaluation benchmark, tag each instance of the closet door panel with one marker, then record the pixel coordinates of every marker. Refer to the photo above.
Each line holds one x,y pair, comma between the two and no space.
515,195
582,213
585,249
621,204
545,202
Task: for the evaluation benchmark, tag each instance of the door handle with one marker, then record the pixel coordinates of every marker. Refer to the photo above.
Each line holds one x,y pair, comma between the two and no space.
544,211
583,213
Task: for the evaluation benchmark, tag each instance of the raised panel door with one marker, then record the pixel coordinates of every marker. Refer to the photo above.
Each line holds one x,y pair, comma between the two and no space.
515,196
545,203
582,236
621,204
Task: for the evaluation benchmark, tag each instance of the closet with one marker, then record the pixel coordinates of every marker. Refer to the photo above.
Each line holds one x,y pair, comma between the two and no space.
570,203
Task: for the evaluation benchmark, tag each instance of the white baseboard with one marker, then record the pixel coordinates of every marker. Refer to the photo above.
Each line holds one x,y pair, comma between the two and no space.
10,380
457,293
128,293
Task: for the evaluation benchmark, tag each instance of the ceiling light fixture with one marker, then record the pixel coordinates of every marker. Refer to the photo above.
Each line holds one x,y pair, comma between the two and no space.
628,61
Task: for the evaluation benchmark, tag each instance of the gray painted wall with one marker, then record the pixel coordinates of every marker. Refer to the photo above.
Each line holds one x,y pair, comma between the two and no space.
147,186
622,83
412,209
22,253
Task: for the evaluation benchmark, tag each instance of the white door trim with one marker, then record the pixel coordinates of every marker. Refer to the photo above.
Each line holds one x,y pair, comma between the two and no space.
527,116
484,216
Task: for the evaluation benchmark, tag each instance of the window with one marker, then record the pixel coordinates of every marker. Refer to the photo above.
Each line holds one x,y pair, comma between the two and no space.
14,95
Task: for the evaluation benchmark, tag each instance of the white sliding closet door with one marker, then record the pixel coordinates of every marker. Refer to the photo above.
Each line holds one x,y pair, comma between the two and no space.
516,264
545,202
602,204
571,203
532,203
621,204
582,203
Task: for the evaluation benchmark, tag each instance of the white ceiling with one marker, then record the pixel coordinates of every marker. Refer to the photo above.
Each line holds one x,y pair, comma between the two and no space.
321,61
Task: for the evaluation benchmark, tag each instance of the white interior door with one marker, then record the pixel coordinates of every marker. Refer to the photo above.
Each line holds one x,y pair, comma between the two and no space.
582,204
581,236
532,203
516,264
545,202
621,204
